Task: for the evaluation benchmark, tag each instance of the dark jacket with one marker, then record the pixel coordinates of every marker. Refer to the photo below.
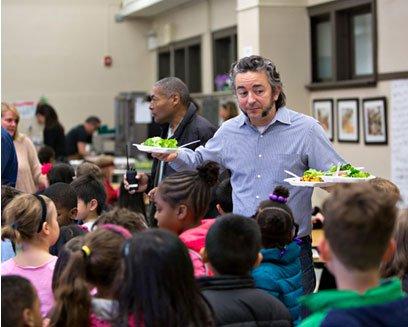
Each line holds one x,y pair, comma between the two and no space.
55,138
193,127
236,302
391,314
9,163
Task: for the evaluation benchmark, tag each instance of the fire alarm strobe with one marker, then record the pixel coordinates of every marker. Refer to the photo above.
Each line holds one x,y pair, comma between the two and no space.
107,61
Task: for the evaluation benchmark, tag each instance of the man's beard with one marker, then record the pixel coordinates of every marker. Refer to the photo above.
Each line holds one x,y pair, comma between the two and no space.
265,111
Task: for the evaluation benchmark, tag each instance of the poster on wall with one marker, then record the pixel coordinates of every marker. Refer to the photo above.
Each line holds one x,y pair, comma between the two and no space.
323,112
26,109
375,121
347,120
399,140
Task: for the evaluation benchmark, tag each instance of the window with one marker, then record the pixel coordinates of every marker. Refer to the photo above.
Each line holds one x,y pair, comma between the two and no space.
224,54
182,60
343,43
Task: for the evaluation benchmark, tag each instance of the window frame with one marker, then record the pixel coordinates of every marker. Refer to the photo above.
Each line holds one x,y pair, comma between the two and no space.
229,32
184,45
340,15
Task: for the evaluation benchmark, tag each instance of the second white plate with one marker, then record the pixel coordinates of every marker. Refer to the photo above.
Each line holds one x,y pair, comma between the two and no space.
295,181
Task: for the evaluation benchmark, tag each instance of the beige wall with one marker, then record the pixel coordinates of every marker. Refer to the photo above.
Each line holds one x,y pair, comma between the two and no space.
55,48
392,35
288,49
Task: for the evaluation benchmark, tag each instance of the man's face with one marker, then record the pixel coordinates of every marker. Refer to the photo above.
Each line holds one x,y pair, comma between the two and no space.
254,94
90,128
161,106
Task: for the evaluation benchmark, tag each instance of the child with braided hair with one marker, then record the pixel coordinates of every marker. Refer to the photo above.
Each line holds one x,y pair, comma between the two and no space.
280,272
181,201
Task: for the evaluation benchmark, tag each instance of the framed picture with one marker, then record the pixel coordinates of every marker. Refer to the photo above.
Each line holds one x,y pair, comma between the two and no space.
323,112
348,120
375,120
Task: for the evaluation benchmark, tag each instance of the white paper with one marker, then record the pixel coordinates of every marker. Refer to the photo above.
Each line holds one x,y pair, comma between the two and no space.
399,137
142,111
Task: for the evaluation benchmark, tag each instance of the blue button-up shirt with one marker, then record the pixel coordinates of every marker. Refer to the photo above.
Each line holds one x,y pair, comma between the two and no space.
257,161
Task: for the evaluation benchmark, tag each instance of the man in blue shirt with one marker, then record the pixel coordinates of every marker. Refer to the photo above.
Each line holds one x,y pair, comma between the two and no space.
9,165
260,144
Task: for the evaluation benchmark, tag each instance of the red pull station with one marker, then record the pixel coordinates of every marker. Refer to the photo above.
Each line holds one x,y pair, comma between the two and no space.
107,61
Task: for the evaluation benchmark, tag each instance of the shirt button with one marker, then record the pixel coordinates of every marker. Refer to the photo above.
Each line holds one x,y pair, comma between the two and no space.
257,196
261,135
259,176
260,156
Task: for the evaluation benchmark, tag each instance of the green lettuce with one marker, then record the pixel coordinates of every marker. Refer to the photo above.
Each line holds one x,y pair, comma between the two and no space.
161,143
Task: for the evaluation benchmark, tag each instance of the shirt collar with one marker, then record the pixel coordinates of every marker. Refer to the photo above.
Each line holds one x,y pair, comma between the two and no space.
282,115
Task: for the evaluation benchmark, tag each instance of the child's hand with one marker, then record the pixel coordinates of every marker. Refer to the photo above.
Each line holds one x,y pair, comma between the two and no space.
152,194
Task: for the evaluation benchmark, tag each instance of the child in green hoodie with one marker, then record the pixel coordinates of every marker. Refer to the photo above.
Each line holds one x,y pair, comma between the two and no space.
358,226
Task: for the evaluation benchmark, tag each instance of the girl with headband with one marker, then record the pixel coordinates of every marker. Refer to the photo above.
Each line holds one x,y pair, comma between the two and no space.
280,272
31,224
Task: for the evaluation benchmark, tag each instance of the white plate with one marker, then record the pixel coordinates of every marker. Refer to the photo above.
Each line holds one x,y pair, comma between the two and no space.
295,181
154,149
342,179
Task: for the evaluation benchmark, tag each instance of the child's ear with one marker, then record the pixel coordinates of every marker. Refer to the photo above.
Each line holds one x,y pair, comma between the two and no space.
93,204
203,254
182,212
258,260
389,251
28,317
219,209
73,213
46,228
324,250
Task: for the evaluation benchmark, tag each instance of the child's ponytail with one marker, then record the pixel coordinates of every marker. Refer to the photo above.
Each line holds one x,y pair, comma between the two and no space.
9,232
72,297
275,219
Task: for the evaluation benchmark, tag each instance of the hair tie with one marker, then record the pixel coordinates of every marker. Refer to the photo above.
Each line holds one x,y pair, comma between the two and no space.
14,225
278,198
117,229
86,251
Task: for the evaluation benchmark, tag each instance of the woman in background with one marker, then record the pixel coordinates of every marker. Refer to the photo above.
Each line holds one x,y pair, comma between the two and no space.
53,132
227,111
29,178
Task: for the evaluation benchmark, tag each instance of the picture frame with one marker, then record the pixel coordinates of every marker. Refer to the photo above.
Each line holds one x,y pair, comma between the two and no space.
323,113
348,128
375,120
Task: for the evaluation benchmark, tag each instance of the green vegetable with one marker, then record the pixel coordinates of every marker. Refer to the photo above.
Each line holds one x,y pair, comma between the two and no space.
313,173
350,171
159,142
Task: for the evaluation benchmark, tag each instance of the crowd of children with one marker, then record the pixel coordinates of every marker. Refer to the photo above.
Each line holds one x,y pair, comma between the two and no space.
70,257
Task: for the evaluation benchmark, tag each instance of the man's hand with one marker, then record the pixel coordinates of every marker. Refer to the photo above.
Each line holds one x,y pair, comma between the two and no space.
143,181
167,157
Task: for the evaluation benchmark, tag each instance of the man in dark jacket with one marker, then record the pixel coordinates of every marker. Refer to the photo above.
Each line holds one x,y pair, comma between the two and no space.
172,108
232,249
